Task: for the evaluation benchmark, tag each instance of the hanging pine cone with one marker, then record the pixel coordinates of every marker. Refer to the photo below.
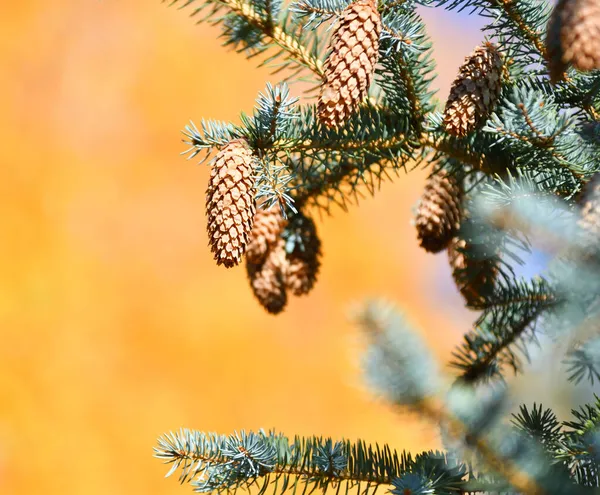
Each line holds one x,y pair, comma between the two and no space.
267,279
474,92
230,202
303,255
573,37
267,228
474,277
439,212
349,68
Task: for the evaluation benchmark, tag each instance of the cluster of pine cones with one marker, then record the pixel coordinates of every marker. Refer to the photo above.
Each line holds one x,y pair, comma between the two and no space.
438,221
573,38
440,213
281,254
350,66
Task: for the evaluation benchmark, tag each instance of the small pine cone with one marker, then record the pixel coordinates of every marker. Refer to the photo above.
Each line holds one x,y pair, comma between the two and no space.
573,37
268,225
303,257
230,202
267,279
475,91
439,212
474,278
349,68
590,211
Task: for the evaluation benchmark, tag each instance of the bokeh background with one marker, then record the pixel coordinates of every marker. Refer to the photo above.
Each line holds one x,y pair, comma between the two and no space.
116,324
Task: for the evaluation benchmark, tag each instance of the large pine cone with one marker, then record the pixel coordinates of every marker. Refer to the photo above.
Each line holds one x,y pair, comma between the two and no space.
439,212
349,68
474,92
230,202
573,37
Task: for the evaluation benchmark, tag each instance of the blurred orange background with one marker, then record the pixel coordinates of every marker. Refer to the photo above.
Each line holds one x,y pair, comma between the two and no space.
116,324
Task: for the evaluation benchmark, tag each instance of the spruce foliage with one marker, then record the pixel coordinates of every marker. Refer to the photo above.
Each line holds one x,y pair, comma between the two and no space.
522,164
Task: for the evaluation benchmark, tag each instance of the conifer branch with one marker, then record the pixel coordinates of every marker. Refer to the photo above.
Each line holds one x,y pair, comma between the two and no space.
397,365
339,181
406,67
415,105
508,320
278,33
506,467
516,138
511,8
458,151
571,442
219,463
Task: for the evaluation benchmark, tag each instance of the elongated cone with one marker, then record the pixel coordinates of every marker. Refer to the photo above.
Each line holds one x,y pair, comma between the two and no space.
230,202
475,91
439,212
474,278
267,279
266,231
303,259
573,37
349,68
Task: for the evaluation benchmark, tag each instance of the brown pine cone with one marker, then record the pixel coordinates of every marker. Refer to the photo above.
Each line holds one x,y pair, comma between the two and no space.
267,279
475,91
349,68
573,37
230,202
303,258
439,212
474,278
267,228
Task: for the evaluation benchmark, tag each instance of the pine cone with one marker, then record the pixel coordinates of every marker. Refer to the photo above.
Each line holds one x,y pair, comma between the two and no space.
303,258
439,212
267,228
230,202
474,278
349,68
474,92
573,37
267,279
